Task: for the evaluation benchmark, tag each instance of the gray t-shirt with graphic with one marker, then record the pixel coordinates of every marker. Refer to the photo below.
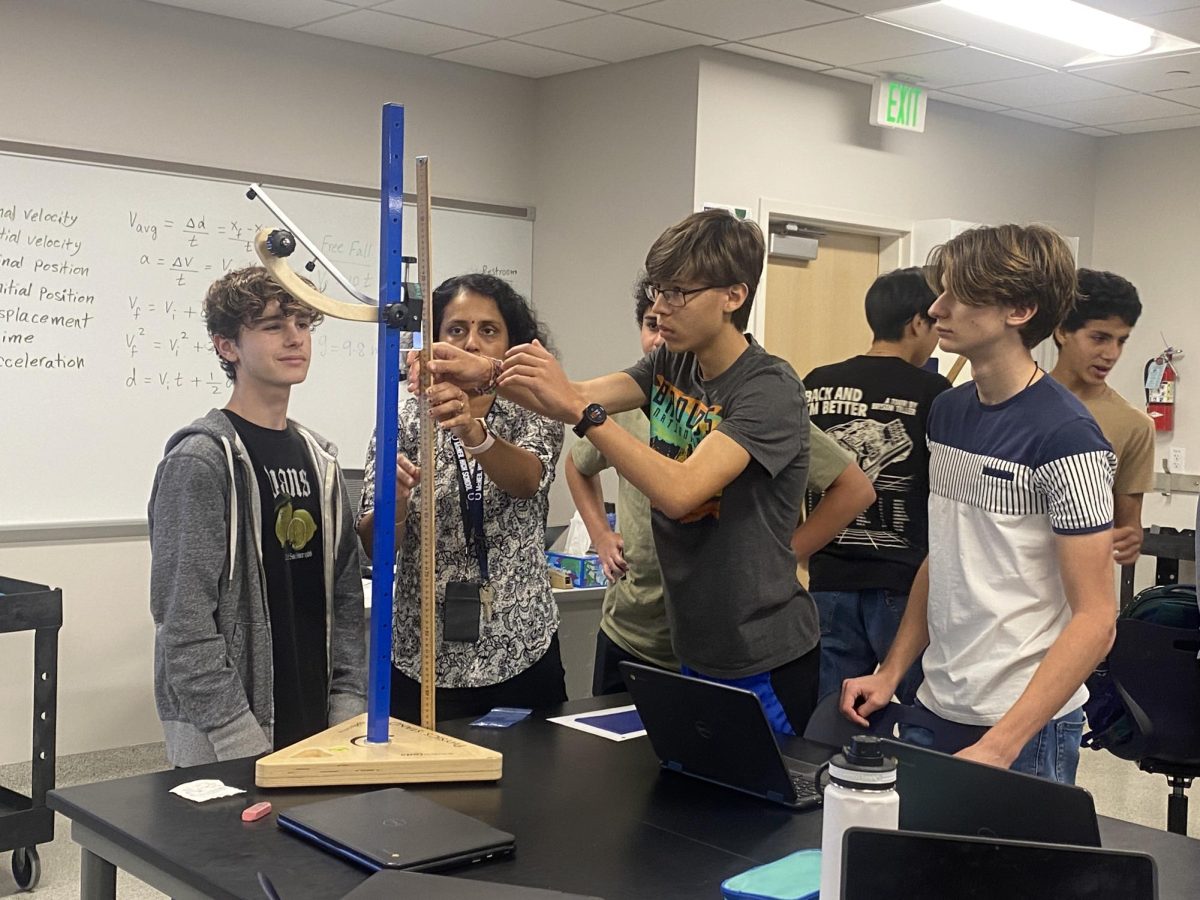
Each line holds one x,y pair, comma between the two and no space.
733,602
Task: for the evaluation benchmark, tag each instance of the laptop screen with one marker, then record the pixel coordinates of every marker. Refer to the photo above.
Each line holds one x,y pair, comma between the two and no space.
899,865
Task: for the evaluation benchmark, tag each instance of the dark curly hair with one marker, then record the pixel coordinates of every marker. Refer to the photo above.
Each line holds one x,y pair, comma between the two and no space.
522,324
642,302
238,298
1102,295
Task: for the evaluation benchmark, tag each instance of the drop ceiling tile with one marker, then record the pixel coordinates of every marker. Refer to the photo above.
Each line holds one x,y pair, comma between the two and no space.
946,68
1167,124
1054,121
497,19
1184,23
851,41
868,6
1094,132
1131,9
519,59
772,56
614,38
1038,90
965,101
850,75
611,5
365,26
1149,76
1128,108
1190,96
734,21
283,13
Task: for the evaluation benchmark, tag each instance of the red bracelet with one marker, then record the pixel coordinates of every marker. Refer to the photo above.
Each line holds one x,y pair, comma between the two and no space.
489,386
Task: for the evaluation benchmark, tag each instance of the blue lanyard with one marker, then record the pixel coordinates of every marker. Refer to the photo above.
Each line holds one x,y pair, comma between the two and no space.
470,501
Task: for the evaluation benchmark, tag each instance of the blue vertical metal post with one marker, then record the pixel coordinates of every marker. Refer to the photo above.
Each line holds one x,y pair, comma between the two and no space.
383,552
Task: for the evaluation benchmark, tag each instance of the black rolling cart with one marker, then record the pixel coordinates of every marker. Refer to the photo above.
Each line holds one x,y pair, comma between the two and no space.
26,822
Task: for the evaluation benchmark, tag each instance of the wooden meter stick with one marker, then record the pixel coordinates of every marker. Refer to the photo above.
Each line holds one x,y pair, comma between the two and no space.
428,451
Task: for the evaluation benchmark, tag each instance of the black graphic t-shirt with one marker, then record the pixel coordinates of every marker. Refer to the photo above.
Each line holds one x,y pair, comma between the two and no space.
877,407
293,561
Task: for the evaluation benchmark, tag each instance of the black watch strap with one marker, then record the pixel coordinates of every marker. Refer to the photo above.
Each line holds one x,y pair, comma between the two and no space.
593,414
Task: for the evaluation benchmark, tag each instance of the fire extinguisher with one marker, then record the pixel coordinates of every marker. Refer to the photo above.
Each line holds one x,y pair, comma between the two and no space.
1160,389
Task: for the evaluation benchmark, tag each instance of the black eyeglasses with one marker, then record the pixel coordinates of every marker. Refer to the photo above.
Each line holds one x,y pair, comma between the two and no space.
676,296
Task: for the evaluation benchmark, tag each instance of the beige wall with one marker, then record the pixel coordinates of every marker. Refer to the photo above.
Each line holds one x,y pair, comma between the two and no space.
766,131
1148,229
614,149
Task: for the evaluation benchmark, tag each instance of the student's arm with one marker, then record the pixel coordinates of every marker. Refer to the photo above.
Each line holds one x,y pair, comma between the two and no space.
863,696
1127,529
845,492
407,477
348,681
188,539
1087,579
531,377
588,494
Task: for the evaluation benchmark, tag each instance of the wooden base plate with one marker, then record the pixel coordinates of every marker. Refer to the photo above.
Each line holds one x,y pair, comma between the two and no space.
341,755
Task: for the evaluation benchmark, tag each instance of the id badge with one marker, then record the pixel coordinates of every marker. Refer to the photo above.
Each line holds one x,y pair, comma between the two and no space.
460,612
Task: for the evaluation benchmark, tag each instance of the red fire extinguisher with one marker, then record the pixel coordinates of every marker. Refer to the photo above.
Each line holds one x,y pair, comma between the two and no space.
1160,389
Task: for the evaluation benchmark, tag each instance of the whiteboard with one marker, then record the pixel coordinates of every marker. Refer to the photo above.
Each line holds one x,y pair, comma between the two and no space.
103,349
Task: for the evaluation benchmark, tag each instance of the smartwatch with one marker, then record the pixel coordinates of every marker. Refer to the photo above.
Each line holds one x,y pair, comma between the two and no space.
593,414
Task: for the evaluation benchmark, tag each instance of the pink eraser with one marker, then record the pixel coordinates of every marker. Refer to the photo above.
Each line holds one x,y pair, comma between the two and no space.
256,812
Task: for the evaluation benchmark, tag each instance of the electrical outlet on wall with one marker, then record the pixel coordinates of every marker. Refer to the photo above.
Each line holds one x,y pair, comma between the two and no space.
1178,459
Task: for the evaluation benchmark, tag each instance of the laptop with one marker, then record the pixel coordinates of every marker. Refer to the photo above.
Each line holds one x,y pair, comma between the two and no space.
720,734
395,885
906,865
955,796
396,829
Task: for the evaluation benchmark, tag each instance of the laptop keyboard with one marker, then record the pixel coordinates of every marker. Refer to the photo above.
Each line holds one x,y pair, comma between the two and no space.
802,783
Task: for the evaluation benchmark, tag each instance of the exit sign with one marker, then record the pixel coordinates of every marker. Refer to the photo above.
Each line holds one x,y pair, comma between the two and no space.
895,104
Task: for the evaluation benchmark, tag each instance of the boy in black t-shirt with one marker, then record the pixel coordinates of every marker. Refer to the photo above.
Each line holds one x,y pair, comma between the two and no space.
876,405
725,468
254,582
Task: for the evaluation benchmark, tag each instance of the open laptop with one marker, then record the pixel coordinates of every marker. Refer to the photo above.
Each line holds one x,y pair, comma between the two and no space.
720,734
396,829
955,796
903,865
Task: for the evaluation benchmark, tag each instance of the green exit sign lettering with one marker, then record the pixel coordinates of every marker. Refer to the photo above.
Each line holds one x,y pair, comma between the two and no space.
895,104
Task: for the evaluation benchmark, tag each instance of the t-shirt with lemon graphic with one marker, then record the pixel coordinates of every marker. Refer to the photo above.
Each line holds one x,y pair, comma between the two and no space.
293,563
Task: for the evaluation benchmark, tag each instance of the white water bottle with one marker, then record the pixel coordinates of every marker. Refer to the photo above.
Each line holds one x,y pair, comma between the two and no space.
861,791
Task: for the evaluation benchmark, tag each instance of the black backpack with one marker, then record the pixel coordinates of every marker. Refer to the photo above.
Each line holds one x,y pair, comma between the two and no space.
1172,605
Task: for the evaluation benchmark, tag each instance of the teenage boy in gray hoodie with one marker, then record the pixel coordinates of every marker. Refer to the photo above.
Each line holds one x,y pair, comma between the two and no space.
254,579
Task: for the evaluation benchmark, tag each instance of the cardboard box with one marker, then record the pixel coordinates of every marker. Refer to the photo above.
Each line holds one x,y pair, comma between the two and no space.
585,571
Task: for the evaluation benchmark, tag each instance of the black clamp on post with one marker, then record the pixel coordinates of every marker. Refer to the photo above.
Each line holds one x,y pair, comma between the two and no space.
281,243
406,315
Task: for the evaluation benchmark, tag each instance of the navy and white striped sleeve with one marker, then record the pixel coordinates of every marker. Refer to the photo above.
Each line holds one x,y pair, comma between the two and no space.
1076,477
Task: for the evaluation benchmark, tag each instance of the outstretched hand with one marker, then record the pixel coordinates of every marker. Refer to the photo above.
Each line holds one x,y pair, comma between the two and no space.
537,380
449,364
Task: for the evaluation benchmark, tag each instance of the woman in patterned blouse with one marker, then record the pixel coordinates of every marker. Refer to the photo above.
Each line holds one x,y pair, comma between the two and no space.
501,650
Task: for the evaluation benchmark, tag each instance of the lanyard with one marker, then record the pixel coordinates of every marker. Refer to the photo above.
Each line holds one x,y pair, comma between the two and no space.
470,502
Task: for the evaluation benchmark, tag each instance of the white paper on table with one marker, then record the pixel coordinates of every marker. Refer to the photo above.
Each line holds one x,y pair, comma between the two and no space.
623,733
205,789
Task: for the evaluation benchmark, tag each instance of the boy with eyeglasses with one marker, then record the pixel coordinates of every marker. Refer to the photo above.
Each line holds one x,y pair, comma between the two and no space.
1014,605
725,469
254,577
633,620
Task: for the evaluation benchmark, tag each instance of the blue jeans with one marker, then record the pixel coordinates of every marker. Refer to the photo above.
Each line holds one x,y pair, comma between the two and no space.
857,630
1052,753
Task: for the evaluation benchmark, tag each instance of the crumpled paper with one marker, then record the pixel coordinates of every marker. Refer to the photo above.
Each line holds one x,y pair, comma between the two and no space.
205,789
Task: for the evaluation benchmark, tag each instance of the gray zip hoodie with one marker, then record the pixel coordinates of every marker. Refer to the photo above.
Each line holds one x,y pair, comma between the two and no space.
213,676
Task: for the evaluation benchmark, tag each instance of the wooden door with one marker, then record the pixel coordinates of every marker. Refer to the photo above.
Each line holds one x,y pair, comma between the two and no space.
814,312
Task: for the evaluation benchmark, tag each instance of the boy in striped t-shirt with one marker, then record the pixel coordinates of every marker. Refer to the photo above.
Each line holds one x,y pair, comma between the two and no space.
1015,604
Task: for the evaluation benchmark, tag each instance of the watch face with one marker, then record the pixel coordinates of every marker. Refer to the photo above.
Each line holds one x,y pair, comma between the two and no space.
595,413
